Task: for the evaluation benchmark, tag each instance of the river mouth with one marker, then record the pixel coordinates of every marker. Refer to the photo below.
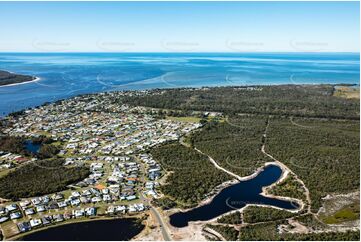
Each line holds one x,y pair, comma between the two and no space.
97,230
236,197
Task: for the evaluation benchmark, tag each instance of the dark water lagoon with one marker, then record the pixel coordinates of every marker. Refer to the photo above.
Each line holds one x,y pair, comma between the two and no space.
32,147
111,229
235,197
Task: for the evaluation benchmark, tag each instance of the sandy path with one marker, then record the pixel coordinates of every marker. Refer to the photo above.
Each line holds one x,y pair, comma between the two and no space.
307,192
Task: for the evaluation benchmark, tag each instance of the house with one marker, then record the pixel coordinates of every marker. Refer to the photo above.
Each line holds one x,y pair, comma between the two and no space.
105,191
11,207
29,211
40,208
111,210
85,200
58,217
36,201
90,211
75,194
132,209
121,209
75,202
53,205
3,211
58,196
139,207
86,193
15,215
35,222
131,197
46,220
24,203
45,199
78,213
24,227
62,204
3,219
107,198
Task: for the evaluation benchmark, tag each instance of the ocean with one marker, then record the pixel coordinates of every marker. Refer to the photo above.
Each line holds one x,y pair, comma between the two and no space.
65,75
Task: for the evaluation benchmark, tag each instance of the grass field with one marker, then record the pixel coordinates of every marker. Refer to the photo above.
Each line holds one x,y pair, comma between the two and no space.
189,119
348,213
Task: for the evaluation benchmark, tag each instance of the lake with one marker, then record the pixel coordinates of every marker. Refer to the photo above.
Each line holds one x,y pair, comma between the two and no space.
235,197
65,75
111,229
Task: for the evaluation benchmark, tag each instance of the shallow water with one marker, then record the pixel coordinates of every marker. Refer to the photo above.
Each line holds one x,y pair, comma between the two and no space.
65,75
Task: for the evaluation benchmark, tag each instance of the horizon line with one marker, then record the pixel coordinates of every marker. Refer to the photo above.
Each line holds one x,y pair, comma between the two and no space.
175,52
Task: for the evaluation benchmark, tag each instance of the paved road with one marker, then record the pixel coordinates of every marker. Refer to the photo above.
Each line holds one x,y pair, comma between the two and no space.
163,226
165,233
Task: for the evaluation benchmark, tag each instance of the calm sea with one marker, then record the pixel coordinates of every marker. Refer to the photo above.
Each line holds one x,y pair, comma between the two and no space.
68,74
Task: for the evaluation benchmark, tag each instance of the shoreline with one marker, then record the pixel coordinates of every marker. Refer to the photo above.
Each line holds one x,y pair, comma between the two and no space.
194,229
21,83
226,184
6,113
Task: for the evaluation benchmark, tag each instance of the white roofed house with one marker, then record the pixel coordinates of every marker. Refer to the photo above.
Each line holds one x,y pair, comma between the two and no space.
35,222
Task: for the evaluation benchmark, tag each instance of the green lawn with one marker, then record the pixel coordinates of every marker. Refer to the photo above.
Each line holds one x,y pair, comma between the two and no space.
189,119
348,213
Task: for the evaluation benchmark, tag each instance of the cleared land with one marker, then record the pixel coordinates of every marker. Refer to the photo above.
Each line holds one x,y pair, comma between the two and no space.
347,92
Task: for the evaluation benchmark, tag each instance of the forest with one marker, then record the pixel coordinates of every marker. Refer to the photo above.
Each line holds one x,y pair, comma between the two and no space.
7,78
233,218
234,144
40,177
255,214
268,231
323,153
191,176
229,233
16,145
291,100
289,187
13,145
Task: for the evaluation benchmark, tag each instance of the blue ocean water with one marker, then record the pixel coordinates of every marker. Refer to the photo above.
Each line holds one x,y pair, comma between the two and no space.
68,74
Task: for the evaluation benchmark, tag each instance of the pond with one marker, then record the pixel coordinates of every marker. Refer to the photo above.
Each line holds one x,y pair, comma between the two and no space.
31,146
235,197
110,229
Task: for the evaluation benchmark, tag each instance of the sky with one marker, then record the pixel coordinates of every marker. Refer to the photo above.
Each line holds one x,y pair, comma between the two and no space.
179,26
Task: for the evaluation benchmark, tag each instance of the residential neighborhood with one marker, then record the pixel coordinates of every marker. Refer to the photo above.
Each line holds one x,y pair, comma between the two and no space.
111,139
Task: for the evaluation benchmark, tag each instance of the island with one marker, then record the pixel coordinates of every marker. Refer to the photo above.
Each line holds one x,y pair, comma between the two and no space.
8,78
180,164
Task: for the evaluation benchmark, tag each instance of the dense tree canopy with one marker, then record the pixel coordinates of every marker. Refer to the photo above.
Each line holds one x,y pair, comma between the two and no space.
192,174
39,178
293,100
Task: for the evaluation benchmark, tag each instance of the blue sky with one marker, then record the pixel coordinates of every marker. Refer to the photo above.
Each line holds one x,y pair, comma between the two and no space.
179,26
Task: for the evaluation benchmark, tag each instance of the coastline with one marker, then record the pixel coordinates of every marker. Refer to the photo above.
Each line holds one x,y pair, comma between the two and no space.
21,83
